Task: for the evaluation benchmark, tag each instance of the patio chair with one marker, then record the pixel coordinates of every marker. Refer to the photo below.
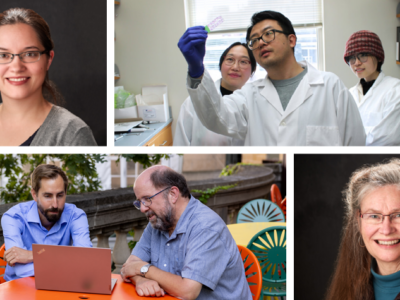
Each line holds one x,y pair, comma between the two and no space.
2,263
269,246
276,197
252,271
260,210
283,206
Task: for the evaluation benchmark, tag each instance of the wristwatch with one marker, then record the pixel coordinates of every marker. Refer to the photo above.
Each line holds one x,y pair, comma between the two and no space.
145,269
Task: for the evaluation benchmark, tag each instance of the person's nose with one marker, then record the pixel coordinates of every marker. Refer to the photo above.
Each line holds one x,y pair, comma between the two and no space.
236,65
386,226
143,208
17,64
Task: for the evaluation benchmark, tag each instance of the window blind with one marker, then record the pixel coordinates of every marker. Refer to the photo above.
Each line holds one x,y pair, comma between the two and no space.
237,13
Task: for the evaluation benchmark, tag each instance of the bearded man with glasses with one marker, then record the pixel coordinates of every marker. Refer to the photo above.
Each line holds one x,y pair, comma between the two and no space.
186,249
294,105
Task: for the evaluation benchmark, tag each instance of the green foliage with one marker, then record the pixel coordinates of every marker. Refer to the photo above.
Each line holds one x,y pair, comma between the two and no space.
80,170
233,169
145,159
206,194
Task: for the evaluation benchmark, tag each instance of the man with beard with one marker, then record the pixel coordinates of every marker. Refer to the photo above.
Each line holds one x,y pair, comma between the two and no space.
294,105
186,249
45,220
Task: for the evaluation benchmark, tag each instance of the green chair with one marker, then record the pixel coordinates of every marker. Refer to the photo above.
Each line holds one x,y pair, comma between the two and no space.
269,246
260,210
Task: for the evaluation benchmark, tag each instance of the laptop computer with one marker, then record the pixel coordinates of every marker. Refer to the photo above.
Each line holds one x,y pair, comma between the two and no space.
73,269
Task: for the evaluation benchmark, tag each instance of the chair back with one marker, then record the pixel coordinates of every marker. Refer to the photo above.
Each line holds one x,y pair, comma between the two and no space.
283,206
3,263
276,196
269,246
252,271
260,210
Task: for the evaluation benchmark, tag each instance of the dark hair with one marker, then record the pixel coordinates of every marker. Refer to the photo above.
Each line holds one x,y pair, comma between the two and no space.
379,67
251,56
284,22
168,177
47,172
14,16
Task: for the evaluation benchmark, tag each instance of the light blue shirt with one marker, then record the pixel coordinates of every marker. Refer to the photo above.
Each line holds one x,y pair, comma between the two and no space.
201,248
22,228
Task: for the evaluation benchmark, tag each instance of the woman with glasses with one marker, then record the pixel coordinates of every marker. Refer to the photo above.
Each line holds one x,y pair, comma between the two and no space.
29,115
368,265
236,64
377,96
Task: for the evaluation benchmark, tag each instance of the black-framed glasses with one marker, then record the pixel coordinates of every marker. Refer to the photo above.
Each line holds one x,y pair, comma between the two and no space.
26,57
376,218
362,57
146,201
268,36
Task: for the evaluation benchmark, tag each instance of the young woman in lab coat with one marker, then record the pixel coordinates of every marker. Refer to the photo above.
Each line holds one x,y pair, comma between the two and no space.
236,64
377,95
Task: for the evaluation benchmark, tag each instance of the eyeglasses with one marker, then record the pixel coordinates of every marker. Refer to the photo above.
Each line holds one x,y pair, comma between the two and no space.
243,63
146,201
362,57
268,36
26,57
376,219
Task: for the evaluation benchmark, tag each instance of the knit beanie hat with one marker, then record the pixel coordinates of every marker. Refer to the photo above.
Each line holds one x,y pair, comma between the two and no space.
364,41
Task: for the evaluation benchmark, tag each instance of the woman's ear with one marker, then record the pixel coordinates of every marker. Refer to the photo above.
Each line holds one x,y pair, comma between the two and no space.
50,59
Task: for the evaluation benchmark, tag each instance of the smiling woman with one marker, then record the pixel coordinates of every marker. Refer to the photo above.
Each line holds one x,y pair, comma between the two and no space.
29,115
368,265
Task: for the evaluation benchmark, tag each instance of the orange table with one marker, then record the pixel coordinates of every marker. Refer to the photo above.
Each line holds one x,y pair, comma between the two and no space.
24,289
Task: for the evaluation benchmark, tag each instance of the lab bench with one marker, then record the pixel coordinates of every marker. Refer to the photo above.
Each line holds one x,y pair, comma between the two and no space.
159,134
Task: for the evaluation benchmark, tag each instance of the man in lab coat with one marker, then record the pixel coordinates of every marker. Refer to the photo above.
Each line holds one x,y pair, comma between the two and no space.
294,105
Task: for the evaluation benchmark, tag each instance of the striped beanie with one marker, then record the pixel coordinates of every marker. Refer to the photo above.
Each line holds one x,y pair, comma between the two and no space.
364,41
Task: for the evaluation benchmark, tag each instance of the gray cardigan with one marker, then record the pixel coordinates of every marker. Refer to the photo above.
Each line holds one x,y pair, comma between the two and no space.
62,128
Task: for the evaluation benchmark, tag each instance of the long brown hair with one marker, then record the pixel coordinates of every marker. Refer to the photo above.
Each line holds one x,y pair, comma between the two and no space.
352,276
29,17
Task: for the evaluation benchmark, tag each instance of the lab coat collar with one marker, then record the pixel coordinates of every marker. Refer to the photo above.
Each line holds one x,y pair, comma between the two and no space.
371,91
301,94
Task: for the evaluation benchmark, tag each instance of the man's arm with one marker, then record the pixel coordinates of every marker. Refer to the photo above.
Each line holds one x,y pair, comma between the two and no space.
16,254
144,287
79,228
174,285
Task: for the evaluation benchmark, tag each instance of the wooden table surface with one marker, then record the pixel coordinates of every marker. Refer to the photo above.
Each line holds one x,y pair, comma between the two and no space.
243,232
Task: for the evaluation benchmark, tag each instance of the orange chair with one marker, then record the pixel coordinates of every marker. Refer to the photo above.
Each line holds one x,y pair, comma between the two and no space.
252,270
283,207
2,263
276,197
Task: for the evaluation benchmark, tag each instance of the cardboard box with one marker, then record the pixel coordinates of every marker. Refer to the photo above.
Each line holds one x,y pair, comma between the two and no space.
126,113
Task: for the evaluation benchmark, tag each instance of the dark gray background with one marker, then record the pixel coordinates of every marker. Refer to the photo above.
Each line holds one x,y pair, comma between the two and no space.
79,32
318,216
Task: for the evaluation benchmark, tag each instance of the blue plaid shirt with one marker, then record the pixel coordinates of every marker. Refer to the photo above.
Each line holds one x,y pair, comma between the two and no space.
201,248
22,228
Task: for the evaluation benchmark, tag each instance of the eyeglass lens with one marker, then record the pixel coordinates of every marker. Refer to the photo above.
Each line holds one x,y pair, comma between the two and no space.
27,57
379,218
267,36
243,63
362,57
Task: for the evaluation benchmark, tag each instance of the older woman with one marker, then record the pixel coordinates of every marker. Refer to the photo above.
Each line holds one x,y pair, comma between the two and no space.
377,96
236,64
368,265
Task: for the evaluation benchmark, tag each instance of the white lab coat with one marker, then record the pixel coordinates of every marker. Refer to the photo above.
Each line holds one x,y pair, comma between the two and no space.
380,111
321,112
190,132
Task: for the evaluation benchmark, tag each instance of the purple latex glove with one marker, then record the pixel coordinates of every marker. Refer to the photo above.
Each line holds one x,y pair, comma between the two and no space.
193,47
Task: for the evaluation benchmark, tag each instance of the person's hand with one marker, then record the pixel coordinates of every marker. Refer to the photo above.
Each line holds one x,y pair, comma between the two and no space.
17,255
193,47
132,268
147,287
